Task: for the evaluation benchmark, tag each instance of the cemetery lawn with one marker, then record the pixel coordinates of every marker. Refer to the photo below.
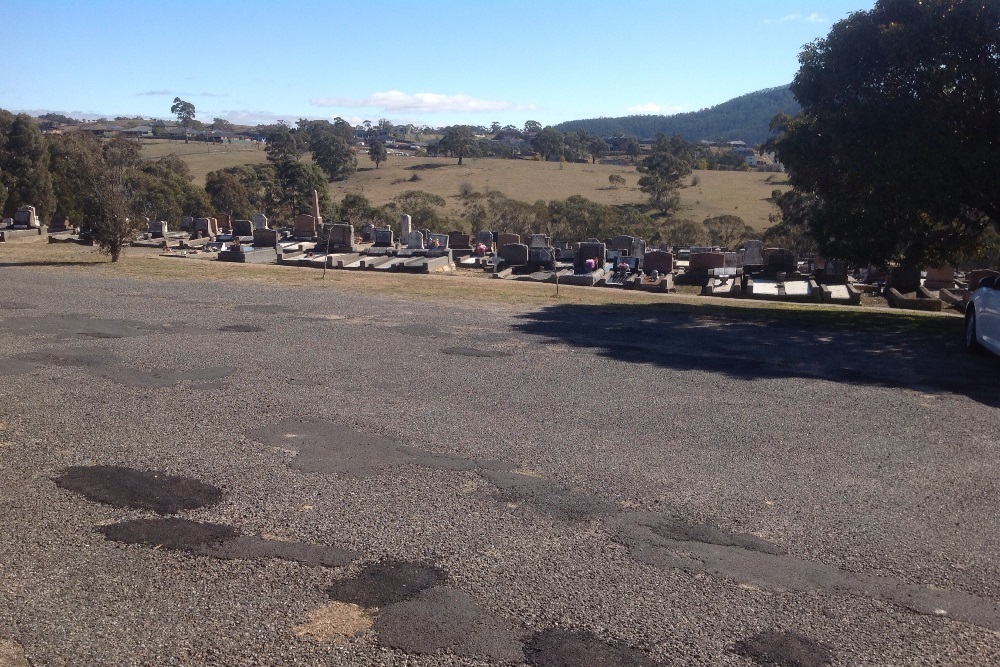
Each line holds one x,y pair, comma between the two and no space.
464,287
741,193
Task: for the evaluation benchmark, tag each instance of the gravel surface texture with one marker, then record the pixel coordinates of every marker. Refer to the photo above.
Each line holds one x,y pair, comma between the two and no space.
222,474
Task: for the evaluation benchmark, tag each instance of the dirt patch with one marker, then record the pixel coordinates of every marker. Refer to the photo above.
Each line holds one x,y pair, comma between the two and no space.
387,582
12,655
446,618
221,541
139,489
336,622
784,649
473,352
564,648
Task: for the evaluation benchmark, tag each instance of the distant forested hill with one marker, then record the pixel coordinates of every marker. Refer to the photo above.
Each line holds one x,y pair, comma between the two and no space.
745,117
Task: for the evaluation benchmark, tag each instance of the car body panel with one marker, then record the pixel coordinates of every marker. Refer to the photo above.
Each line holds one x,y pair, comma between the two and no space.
985,302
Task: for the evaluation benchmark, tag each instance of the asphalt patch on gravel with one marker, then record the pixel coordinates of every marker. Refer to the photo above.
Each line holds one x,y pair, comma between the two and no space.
221,541
241,328
474,352
784,649
16,305
566,504
106,365
139,489
655,539
69,326
325,447
448,619
387,582
564,648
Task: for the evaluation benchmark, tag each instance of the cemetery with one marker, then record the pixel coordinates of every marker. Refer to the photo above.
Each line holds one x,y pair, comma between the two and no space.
750,271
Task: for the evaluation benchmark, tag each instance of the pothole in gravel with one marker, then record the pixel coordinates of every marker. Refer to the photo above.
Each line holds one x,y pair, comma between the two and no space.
12,366
71,325
387,582
65,358
563,648
325,447
447,618
336,622
15,305
105,365
784,649
474,352
241,328
420,330
139,489
221,541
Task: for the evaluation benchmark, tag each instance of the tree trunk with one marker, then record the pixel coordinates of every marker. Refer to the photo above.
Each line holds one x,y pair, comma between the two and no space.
115,254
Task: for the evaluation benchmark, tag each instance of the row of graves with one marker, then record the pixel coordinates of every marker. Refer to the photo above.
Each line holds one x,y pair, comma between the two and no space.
336,246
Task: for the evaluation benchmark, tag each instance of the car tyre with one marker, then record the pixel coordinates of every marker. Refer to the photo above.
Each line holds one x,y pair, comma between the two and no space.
971,343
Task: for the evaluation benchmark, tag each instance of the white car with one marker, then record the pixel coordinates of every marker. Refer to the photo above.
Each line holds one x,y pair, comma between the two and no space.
982,317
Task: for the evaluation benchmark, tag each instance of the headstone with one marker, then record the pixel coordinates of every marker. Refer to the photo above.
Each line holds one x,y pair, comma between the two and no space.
223,221
459,241
265,238
597,252
438,242
214,226
657,260
514,254
941,277
703,262
340,236
25,217
538,241
621,242
384,238
405,225
157,229
414,240
835,271
304,226
904,279
202,227
260,221
368,232
242,228
781,259
187,224
60,223
753,253
486,238
508,239
731,260
541,256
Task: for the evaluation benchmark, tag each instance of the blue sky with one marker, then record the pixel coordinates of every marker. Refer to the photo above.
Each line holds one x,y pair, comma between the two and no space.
435,62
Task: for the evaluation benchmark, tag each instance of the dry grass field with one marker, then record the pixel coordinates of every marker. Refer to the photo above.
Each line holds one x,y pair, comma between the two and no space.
745,194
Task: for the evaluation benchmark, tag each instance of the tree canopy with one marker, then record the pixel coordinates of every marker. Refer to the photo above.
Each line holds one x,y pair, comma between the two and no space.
669,161
899,131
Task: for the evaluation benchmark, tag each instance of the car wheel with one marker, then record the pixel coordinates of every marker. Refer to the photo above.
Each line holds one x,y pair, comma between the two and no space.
971,343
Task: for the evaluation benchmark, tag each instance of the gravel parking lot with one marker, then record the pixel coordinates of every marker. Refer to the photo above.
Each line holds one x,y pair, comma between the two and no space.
199,473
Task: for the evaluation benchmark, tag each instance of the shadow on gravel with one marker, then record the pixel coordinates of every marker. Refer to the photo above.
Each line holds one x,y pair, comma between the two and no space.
55,263
873,349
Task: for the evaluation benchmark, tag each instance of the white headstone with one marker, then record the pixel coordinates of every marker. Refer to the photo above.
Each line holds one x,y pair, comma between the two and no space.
260,221
405,225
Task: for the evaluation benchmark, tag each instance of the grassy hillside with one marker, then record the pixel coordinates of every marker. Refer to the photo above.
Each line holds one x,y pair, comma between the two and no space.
745,194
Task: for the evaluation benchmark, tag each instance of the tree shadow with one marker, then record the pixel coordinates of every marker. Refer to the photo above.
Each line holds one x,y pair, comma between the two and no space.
850,347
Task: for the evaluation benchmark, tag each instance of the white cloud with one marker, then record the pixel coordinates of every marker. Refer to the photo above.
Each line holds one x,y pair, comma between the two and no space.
394,101
653,108
798,17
